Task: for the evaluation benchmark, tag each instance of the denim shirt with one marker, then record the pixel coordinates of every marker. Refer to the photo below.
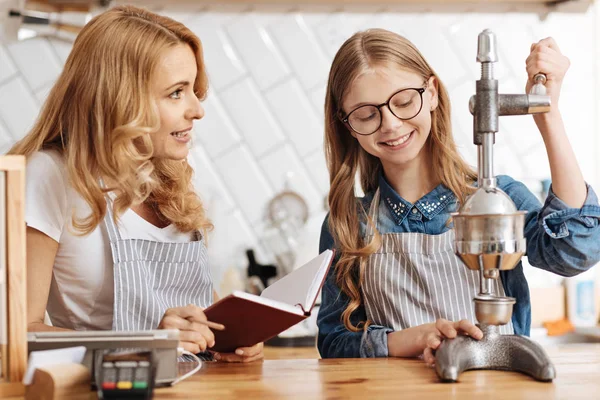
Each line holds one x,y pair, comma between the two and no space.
560,239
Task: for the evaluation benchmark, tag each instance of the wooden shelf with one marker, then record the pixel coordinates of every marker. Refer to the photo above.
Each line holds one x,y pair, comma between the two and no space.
83,3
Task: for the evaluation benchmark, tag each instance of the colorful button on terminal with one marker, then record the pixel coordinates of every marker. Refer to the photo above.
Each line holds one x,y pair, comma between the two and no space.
140,385
124,385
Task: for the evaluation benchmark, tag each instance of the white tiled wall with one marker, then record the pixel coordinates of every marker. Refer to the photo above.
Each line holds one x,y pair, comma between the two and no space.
268,71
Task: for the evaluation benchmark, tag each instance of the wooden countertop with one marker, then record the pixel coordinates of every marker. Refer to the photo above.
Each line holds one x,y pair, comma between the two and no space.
297,373
577,365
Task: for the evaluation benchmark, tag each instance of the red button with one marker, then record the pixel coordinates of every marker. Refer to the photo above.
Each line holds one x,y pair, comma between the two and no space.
109,385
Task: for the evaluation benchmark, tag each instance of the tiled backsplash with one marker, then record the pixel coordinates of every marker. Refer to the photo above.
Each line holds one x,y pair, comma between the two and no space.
264,113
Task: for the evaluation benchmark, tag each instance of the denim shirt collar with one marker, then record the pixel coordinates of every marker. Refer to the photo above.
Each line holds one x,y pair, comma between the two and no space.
429,205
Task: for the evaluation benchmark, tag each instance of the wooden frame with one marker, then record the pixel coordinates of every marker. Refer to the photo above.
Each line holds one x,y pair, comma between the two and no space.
15,352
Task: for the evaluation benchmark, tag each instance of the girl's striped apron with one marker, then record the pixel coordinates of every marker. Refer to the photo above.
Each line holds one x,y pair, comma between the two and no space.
150,277
415,278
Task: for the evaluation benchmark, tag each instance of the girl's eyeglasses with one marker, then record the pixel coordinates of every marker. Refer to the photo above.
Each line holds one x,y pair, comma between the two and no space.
405,104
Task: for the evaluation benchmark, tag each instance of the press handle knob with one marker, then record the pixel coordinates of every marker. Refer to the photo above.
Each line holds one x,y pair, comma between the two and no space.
539,80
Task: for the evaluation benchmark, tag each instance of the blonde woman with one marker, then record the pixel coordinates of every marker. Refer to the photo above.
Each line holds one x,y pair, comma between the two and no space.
398,289
115,232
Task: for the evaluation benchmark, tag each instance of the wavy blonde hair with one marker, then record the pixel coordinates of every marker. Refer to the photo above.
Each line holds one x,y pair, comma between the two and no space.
346,158
101,110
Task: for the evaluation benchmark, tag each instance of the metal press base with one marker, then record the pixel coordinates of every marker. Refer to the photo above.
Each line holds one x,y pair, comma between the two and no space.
494,351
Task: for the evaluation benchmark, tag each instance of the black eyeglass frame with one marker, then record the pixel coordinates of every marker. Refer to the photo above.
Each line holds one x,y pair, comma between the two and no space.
346,121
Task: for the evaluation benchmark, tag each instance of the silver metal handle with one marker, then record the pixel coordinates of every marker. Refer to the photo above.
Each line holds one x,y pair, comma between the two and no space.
539,80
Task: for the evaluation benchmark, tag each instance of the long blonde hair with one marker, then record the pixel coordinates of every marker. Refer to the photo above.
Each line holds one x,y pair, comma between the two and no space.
346,158
100,112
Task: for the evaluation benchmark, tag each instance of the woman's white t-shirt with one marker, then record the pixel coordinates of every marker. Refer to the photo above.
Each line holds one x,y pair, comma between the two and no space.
81,291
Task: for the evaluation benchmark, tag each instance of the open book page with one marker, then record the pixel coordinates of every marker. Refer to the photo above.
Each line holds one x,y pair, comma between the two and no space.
269,302
302,285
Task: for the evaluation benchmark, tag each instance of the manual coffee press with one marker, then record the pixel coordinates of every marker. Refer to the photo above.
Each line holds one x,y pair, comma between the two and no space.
489,237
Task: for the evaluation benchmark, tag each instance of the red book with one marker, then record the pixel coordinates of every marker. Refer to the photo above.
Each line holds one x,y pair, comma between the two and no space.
251,319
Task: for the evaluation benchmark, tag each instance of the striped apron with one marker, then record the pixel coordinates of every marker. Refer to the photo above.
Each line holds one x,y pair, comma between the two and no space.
150,277
415,278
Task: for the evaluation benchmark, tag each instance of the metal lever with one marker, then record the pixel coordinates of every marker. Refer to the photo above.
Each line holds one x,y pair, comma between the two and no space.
518,104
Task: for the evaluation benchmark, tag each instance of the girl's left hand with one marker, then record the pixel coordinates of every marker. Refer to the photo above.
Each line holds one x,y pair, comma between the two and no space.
242,355
545,57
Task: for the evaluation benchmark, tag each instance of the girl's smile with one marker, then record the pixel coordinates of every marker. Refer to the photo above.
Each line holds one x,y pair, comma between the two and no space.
401,142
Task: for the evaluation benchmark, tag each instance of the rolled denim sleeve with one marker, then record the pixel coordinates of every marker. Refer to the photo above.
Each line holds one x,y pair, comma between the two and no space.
560,239
335,340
